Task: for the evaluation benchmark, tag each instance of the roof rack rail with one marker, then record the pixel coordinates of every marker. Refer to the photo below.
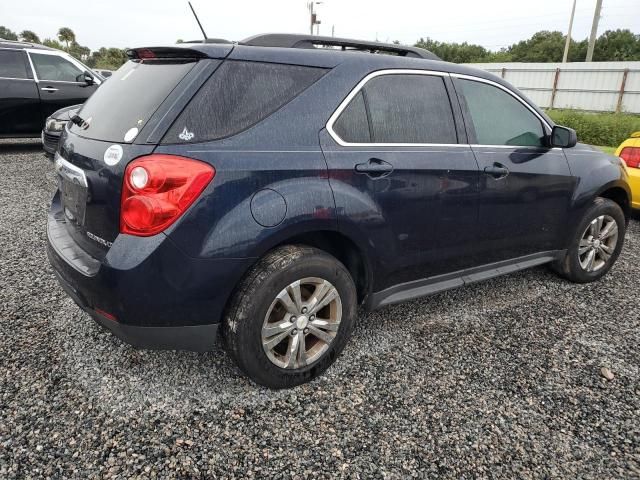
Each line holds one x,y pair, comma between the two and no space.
19,43
288,40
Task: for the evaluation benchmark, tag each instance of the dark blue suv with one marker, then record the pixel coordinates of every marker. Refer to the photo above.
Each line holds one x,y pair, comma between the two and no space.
263,190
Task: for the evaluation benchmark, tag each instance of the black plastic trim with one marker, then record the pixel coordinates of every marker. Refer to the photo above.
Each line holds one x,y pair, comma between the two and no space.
194,338
286,40
429,286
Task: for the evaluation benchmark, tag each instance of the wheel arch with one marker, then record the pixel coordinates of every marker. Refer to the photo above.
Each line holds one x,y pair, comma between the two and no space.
619,195
344,249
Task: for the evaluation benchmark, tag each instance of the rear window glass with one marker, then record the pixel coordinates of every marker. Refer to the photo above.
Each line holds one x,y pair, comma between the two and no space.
399,108
352,125
129,98
238,95
12,64
410,109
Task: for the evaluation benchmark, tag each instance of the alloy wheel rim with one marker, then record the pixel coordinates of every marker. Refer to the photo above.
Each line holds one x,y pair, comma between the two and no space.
597,244
301,323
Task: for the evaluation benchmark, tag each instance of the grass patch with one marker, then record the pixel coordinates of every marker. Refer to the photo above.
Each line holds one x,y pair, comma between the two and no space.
609,150
607,129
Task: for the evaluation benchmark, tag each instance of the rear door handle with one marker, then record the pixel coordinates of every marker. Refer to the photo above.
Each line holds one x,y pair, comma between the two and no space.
49,89
375,168
497,170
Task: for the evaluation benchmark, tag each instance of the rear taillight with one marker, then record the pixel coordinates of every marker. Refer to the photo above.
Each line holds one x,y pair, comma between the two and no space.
157,189
631,156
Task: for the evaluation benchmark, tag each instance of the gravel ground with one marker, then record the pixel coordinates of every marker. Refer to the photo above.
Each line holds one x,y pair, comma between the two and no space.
501,379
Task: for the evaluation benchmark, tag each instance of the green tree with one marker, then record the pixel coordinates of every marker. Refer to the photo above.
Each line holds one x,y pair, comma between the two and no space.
107,58
455,52
179,40
543,46
578,51
66,35
500,56
78,51
7,34
617,45
48,42
29,36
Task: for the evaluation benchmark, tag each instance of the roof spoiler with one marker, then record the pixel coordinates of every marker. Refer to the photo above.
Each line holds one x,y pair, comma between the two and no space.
287,40
164,53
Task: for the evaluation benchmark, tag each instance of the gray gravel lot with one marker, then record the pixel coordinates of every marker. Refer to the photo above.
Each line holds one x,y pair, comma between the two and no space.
501,379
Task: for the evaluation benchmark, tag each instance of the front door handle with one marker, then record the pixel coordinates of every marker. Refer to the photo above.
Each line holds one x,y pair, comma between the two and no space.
375,168
49,89
497,171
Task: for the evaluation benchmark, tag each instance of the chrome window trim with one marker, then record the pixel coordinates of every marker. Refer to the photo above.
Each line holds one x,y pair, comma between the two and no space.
378,73
356,90
13,78
519,147
505,89
33,68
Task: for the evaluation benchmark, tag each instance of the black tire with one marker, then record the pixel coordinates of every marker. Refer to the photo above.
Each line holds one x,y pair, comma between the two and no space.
569,267
243,323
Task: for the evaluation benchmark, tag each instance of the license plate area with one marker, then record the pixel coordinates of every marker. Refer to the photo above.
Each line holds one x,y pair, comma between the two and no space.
74,190
74,201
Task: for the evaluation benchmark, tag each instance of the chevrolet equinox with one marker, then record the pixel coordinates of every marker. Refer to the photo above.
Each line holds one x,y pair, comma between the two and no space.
261,191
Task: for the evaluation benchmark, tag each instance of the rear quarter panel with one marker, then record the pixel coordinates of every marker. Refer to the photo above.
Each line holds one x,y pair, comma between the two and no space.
280,154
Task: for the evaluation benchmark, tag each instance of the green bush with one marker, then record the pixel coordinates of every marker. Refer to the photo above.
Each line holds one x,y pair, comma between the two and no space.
606,129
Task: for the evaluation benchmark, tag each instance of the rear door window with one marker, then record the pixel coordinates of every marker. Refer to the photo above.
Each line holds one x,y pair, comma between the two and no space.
125,103
498,118
237,96
399,108
54,68
12,64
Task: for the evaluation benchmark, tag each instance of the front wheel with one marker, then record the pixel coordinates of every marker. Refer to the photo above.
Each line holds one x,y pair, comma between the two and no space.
596,244
291,316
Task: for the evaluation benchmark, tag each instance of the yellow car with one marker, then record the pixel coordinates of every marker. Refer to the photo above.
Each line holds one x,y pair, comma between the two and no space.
629,151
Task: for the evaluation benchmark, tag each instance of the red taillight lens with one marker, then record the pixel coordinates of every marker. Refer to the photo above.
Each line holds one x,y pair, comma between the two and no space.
157,189
631,156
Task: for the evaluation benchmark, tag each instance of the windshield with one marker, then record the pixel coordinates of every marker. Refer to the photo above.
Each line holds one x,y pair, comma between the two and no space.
121,107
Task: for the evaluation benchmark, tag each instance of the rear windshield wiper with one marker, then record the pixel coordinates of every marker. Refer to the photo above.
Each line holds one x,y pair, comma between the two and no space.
78,120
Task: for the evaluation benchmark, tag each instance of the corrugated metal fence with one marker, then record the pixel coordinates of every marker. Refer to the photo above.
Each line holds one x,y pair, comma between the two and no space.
594,86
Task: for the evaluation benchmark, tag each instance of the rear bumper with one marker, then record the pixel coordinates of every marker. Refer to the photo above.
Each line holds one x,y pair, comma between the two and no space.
195,338
154,296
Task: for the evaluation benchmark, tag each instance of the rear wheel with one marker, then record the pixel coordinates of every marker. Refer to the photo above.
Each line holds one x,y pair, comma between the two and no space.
291,316
596,244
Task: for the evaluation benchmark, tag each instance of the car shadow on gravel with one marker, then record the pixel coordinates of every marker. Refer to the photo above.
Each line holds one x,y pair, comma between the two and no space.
26,145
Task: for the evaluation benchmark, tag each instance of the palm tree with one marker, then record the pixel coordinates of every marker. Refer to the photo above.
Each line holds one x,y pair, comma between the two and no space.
66,35
29,36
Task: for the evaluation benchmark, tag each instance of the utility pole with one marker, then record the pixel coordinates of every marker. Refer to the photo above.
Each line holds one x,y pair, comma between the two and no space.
568,42
313,17
594,31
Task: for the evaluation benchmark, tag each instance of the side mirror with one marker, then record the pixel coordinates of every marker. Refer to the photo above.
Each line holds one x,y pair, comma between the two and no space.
85,77
563,137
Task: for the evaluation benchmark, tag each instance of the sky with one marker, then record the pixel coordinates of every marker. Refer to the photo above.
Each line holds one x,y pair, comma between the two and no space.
490,23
